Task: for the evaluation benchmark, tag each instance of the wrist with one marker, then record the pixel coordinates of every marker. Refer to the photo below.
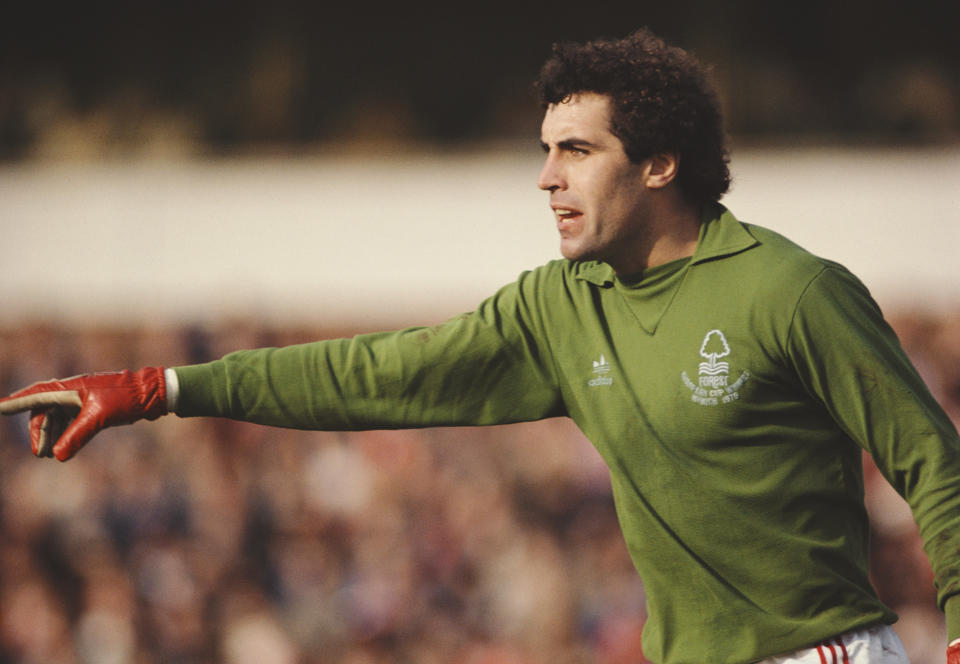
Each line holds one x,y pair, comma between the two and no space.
953,652
951,609
172,389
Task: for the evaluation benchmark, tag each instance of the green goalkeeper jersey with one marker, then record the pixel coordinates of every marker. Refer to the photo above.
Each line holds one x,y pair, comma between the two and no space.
730,394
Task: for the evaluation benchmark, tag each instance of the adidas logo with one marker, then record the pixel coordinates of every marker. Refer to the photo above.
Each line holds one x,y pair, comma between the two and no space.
600,368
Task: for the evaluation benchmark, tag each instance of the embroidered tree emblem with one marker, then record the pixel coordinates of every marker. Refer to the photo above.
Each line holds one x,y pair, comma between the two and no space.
714,347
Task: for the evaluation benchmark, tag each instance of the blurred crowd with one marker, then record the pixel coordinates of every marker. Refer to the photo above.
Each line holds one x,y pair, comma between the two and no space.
116,80
203,540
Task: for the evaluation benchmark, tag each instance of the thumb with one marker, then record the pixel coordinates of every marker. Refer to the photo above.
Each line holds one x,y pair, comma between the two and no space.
39,430
78,433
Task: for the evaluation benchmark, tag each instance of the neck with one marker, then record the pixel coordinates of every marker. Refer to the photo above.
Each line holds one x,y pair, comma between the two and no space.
671,234
679,240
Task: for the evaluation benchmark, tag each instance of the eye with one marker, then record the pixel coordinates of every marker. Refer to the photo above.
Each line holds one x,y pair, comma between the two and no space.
571,149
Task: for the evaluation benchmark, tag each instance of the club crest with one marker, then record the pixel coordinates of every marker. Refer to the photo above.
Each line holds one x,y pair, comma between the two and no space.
713,386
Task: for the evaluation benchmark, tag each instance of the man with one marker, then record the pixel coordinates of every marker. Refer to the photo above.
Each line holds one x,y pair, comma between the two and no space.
728,378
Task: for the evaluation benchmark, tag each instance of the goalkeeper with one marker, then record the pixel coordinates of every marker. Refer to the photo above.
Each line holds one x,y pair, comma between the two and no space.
729,379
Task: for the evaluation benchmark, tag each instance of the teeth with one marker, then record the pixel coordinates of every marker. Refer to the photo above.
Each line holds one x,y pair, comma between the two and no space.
563,211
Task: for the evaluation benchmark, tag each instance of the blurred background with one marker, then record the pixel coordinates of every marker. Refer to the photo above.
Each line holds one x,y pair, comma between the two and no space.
179,180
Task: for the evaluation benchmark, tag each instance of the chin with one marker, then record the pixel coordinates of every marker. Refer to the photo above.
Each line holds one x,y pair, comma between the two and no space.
576,254
570,255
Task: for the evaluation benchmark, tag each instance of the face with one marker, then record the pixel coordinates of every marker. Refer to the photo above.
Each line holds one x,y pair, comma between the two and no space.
598,196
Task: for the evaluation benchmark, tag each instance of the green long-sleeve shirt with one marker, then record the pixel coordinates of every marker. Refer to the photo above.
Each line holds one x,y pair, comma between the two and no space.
730,394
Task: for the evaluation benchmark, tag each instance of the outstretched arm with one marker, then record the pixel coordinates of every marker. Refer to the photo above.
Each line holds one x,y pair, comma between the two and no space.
491,366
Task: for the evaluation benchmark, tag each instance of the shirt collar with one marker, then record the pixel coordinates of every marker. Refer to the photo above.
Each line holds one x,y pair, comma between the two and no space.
721,235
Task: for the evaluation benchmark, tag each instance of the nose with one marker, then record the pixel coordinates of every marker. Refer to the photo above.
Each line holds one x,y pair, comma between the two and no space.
551,175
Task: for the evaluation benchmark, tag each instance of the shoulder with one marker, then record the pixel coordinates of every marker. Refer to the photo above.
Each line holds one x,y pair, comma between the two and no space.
777,242
754,264
773,247
776,262
784,262
556,290
568,275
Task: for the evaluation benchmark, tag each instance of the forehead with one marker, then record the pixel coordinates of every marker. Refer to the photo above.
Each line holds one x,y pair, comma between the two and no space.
585,115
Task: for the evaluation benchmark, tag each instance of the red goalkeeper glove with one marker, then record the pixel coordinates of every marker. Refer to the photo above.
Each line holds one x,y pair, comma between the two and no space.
953,652
66,414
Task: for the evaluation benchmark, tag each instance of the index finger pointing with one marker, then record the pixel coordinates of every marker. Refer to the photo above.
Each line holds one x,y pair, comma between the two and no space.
39,401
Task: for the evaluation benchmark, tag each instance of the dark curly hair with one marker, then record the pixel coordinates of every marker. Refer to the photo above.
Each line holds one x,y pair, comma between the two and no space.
662,102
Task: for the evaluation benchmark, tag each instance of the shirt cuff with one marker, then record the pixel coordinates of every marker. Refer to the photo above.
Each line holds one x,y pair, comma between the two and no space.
952,610
173,389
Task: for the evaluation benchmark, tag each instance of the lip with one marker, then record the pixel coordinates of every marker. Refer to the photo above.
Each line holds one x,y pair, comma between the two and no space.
568,224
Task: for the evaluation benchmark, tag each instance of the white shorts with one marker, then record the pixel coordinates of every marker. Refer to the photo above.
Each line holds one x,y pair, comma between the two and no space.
874,645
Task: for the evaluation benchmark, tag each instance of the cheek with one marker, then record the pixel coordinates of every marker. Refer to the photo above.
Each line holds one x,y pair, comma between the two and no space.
615,181
598,192
611,191
627,193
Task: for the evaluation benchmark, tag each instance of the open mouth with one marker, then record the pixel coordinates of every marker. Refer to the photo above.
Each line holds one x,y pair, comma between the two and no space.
566,215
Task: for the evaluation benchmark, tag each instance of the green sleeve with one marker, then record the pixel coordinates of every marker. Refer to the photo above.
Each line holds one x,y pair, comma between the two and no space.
485,367
851,360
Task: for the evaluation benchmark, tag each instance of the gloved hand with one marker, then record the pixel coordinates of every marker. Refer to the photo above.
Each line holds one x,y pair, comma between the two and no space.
953,652
65,414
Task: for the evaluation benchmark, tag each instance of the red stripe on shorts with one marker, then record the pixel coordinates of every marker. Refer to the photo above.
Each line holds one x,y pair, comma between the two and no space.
843,649
823,659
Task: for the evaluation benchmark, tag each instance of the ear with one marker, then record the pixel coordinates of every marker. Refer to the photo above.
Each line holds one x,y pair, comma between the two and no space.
662,169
